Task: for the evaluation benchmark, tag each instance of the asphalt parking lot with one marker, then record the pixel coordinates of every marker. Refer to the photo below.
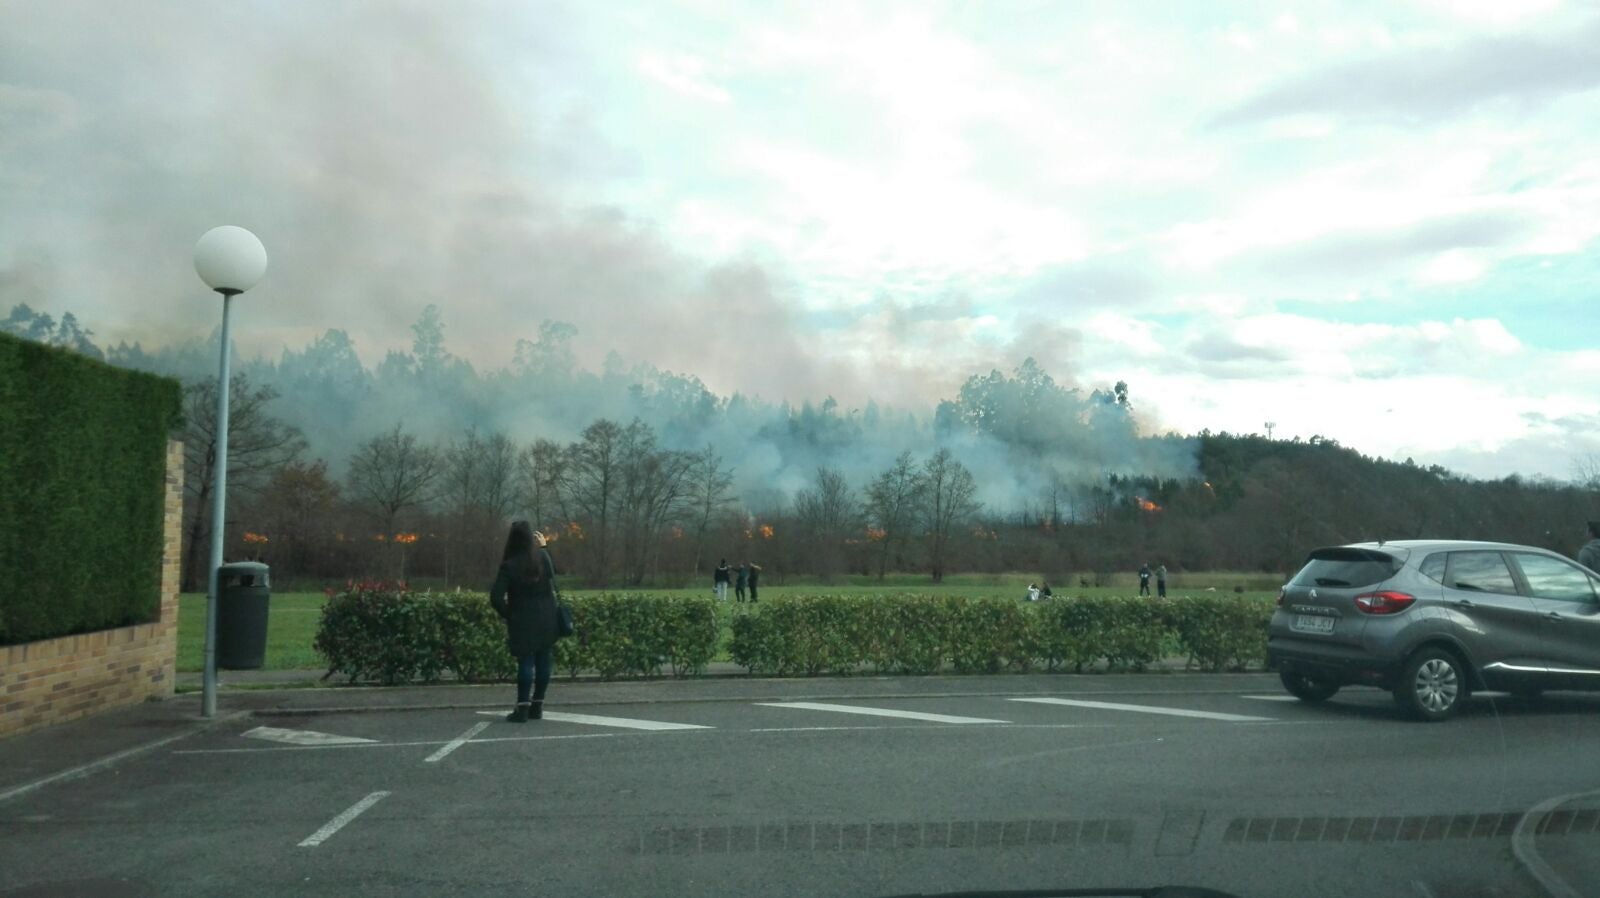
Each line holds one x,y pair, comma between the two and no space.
842,787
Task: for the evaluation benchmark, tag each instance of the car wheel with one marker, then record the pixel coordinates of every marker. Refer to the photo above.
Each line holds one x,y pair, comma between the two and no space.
1308,689
1432,685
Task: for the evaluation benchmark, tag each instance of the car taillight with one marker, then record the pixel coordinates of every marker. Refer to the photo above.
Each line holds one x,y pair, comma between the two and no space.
1386,602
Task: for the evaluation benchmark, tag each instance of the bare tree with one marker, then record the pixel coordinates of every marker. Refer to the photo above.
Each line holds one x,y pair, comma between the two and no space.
258,445
541,469
892,502
827,515
298,508
1586,472
592,481
948,503
391,474
654,492
478,486
709,484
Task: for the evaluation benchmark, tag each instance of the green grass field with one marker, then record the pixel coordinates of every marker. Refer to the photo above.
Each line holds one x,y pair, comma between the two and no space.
292,621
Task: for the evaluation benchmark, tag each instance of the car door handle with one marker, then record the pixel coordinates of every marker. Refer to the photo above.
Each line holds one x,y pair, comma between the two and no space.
1464,603
1552,615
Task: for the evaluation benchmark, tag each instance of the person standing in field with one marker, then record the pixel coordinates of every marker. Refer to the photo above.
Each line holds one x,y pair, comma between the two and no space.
1144,579
741,576
719,581
1161,580
524,595
1589,555
755,574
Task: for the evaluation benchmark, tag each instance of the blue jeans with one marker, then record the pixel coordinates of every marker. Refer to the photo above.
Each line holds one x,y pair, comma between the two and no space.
533,672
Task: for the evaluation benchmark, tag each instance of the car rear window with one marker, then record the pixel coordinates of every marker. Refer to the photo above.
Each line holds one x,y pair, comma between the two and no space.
1346,568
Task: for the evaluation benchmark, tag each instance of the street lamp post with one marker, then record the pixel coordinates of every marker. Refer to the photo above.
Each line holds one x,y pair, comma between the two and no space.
230,260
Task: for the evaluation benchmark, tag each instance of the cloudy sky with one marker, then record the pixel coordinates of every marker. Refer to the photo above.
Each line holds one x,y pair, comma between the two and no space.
1377,222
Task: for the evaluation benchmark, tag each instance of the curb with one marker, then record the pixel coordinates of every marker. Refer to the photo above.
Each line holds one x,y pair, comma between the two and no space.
1523,845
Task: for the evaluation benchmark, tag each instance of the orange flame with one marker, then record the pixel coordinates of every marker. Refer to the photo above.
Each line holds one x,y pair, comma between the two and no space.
250,537
766,531
1147,505
575,530
405,538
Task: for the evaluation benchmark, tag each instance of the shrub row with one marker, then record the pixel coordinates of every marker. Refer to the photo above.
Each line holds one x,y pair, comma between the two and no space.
812,635
387,633
384,632
83,454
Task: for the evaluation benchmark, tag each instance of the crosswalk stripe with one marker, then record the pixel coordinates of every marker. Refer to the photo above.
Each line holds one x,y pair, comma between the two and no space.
624,722
879,712
1144,709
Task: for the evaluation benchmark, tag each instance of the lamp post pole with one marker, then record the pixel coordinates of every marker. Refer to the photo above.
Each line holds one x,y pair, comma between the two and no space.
230,260
219,505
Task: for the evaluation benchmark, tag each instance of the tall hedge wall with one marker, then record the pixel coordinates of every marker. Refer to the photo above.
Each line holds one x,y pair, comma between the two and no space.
82,485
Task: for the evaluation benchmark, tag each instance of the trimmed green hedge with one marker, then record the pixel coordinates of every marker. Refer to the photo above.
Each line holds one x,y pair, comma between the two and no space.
82,489
384,632
813,635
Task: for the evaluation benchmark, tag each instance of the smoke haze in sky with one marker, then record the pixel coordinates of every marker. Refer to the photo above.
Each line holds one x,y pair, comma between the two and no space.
1337,215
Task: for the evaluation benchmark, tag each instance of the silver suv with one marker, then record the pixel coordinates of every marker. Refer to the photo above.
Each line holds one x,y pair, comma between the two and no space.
1432,620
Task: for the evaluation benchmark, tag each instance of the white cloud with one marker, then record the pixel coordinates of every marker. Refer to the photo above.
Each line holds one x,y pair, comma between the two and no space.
684,74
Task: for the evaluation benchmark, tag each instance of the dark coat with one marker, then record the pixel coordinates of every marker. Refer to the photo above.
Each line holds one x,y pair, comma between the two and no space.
741,575
720,575
755,574
529,609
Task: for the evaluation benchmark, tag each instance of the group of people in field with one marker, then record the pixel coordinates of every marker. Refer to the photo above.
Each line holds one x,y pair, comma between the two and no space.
745,576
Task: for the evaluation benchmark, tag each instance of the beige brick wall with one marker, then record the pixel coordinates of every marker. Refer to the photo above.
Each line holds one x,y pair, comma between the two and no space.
56,680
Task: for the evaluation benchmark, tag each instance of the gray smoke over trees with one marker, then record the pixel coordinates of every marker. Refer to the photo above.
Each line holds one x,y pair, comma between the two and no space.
1016,472
1018,433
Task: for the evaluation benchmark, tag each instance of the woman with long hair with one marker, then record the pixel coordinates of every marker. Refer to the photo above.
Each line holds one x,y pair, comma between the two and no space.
524,595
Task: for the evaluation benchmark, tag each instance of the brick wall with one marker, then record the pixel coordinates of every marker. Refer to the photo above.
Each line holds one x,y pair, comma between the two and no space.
56,680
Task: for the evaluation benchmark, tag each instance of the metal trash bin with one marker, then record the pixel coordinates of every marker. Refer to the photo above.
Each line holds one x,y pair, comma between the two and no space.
243,591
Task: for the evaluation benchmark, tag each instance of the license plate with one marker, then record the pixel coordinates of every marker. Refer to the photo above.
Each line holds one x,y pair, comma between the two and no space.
1312,623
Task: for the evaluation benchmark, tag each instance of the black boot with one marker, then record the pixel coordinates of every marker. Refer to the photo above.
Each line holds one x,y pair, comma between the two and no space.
520,715
536,710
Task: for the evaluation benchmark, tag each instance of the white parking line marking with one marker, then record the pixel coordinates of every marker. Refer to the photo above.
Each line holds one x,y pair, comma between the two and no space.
455,743
879,712
627,723
1271,698
946,728
301,737
338,823
1145,709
